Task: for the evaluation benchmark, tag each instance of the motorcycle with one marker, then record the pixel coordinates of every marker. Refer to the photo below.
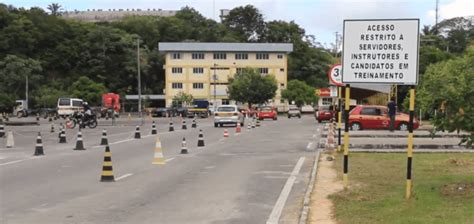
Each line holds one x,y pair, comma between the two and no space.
79,118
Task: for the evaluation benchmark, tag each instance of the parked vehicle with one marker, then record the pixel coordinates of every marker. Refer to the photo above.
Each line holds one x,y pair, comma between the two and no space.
110,105
160,112
228,114
21,110
267,112
324,113
68,106
294,111
307,109
200,108
376,117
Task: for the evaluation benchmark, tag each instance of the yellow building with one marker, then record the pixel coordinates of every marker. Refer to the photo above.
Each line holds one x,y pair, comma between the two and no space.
192,67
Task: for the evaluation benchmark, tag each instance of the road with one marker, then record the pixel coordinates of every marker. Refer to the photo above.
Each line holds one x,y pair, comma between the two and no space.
257,176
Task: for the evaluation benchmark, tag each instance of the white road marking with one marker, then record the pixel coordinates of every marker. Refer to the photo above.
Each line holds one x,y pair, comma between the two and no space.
308,147
168,160
15,161
124,176
278,208
314,136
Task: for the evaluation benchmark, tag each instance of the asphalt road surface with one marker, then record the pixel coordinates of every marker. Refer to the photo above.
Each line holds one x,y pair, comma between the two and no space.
257,176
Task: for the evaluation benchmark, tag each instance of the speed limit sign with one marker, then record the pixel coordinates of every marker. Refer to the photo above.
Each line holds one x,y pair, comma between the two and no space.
335,75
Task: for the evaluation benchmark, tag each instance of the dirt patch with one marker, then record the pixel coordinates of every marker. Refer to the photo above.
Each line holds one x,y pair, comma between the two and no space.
458,162
327,183
465,190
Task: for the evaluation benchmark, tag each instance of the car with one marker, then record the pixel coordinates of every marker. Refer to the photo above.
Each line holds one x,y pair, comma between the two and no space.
294,111
324,113
376,117
307,109
228,114
267,112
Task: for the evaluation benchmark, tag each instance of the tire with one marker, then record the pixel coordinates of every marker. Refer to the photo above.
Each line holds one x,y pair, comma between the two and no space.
92,124
215,125
275,118
242,124
403,126
289,116
356,126
299,116
221,125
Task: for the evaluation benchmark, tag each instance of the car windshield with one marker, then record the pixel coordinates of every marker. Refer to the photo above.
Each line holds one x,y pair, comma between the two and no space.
293,108
266,109
64,102
226,109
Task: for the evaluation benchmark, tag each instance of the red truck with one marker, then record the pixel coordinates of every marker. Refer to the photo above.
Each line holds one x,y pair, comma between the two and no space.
110,104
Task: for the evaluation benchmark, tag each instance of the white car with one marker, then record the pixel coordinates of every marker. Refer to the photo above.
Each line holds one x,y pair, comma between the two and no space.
228,114
307,109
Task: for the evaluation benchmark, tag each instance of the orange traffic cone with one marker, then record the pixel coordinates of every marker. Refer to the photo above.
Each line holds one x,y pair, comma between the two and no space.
237,128
158,156
226,133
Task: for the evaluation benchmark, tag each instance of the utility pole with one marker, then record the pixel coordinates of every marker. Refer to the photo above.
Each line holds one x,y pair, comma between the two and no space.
335,47
139,80
214,77
26,93
436,19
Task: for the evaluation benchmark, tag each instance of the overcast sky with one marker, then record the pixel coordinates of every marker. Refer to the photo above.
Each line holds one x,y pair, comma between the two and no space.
321,18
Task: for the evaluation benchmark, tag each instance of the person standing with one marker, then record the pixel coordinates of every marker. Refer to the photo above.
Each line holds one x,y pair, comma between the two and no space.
392,110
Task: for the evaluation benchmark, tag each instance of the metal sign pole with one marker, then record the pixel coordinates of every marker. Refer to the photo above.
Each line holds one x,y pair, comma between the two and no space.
346,136
409,183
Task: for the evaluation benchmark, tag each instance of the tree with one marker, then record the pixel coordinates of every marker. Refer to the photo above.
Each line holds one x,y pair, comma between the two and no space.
447,88
182,99
300,92
251,87
13,72
55,9
88,90
247,23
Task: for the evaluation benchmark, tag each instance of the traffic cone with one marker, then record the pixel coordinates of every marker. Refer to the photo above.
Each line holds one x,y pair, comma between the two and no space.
226,133
50,119
200,139
253,124
137,132
52,127
171,126
153,128
10,141
37,117
184,148
39,146
184,127
194,125
62,136
238,129
107,171
258,123
249,126
129,117
104,140
55,118
158,158
79,143
2,130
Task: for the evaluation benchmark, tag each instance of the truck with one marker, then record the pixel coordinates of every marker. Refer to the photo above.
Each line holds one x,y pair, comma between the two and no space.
110,105
21,110
200,109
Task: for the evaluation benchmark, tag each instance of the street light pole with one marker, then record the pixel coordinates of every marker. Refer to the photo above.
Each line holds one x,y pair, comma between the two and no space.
139,80
26,93
215,79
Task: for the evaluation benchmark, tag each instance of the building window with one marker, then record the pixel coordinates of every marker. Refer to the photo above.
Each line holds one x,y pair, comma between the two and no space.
241,56
177,70
282,69
326,101
220,56
177,85
225,102
280,56
263,70
198,70
198,85
262,56
282,85
197,56
175,55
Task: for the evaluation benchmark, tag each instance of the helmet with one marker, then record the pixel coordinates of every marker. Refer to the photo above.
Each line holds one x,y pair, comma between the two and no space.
85,103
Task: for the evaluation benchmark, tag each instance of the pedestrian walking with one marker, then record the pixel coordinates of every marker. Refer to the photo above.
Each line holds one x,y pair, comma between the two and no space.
392,110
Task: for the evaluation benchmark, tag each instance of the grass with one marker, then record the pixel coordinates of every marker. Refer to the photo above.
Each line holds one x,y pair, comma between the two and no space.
443,189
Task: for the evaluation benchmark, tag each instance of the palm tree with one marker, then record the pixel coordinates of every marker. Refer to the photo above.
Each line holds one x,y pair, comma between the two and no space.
55,9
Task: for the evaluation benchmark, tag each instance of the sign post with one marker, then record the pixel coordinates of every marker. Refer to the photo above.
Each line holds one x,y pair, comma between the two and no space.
382,51
335,78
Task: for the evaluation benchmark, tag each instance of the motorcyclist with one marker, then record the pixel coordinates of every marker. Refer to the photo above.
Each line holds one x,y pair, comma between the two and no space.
87,112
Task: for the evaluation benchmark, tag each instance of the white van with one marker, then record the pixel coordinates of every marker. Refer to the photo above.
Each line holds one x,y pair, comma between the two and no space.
67,106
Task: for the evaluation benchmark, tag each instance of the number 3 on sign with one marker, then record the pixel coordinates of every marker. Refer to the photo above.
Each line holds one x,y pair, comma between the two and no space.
334,75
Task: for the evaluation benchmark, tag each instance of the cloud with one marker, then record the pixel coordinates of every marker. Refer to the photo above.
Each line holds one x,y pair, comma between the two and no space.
452,9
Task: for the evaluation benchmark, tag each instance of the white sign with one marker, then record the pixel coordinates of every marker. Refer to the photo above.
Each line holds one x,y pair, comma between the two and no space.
335,75
381,51
333,91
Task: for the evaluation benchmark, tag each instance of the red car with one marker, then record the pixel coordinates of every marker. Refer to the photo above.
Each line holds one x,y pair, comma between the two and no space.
376,117
267,112
324,113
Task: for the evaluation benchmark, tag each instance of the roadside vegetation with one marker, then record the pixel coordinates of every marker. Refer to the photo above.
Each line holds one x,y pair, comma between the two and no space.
443,189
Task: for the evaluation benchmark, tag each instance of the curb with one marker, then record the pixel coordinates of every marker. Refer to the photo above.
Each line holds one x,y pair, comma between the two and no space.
309,190
403,146
400,136
416,151
20,123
